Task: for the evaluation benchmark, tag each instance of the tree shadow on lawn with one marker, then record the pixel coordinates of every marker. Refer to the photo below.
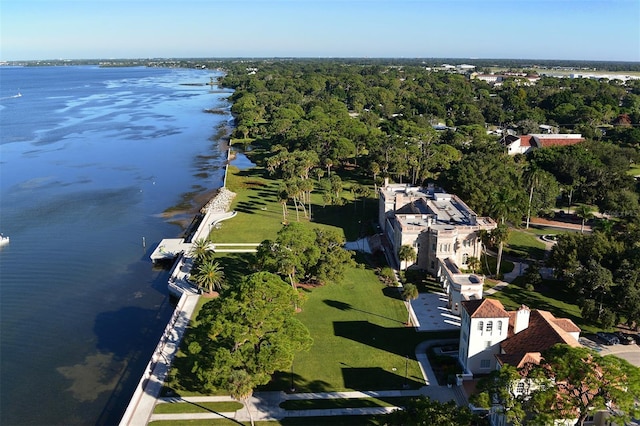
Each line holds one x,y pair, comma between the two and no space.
376,378
538,300
396,340
525,252
281,381
393,292
347,307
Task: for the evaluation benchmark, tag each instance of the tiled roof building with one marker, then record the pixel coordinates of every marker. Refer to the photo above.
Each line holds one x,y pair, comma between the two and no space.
490,334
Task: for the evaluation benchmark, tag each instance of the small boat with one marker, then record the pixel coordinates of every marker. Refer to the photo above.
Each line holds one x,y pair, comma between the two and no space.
3,240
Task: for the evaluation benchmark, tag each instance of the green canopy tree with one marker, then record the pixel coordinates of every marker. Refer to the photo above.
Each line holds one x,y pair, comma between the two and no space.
498,391
242,339
574,382
426,411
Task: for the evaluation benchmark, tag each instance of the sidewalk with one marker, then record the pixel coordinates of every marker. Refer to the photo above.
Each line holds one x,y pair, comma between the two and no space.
266,405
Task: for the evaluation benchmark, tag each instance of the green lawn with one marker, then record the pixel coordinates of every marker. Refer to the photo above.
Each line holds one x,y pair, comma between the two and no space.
289,421
524,244
322,404
260,212
634,171
197,407
550,297
360,340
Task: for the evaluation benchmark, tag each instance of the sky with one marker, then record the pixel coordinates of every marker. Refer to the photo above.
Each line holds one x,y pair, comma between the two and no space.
519,29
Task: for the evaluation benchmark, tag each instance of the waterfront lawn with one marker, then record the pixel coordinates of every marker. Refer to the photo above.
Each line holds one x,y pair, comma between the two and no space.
197,407
260,212
550,296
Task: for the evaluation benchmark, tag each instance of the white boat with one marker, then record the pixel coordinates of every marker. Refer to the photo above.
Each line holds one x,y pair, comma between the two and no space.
3,240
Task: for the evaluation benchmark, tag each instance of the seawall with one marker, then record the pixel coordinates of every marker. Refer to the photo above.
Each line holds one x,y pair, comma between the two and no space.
143,401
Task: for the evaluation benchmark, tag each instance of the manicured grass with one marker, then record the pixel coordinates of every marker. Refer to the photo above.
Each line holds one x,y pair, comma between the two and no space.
322,404
197,407
524,244
260,212
505,266
289,421
550,297
360,340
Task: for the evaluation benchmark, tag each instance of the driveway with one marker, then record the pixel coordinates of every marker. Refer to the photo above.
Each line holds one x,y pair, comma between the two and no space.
630,353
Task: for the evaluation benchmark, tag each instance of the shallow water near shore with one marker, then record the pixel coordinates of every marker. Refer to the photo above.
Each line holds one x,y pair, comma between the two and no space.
89,159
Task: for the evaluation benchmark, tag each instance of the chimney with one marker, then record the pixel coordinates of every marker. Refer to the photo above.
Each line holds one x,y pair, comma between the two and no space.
522,319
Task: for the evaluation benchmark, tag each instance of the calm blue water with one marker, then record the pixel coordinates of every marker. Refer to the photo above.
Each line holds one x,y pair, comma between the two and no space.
89,157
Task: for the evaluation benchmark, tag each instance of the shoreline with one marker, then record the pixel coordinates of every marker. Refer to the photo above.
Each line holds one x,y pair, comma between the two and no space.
143,400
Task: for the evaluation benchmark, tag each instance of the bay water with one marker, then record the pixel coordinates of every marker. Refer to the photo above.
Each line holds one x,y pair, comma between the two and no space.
89,159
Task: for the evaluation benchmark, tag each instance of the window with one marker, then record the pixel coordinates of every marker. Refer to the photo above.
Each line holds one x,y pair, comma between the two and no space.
499,326
520,388
487,344
433,247
485,363
489,326
480,325
465,258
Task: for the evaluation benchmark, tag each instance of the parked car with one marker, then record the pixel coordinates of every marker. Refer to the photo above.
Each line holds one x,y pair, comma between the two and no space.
608,338
625,339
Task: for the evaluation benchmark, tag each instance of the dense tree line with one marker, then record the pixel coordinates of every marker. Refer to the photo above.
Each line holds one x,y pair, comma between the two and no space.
379,118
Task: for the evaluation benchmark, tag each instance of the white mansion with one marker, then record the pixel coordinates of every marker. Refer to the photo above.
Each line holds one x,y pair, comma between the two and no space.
442,229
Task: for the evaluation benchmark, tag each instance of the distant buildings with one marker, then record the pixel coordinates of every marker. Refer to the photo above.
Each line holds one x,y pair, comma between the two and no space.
525,143
442,229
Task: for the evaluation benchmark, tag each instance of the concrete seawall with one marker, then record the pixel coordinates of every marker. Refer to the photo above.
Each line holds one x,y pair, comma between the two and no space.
143,401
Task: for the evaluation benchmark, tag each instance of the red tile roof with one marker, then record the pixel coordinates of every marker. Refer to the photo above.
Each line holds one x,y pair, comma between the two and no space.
485,308
547,142
544,331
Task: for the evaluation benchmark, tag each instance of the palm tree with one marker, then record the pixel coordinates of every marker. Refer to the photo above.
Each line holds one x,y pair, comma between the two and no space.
533,177
499,235
407,254
474,264
200,249
240,387
409,293
283,197
209,274
583,212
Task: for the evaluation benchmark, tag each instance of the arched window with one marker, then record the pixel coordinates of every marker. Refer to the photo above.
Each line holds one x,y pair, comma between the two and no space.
489,326
499,326
465,258
480,325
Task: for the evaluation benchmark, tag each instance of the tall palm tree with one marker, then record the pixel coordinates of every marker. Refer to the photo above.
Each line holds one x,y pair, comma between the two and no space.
499,235
209,274
409,293
407,254
583,212
532,176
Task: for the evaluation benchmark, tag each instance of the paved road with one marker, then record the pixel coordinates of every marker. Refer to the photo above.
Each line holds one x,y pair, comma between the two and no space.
630,353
